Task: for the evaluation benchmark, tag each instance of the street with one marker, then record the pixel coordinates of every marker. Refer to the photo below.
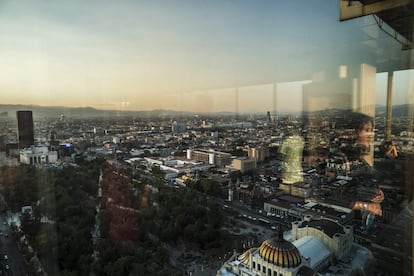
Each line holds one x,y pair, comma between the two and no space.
14,263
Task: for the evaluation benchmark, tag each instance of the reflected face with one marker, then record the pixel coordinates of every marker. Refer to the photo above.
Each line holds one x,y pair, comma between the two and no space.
366,134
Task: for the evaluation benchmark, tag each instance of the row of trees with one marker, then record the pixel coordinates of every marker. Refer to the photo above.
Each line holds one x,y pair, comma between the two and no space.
126,247
156,222
138,224
208,186
60,227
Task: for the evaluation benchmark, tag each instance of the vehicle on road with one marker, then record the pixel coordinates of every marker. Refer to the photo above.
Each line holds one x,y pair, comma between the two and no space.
264,221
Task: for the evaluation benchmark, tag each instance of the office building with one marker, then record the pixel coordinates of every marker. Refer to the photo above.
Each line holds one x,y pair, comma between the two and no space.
178,127
244,164
258,153
25,132
212,157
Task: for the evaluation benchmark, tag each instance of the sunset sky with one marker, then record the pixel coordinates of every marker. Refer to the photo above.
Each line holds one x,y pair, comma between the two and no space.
179,54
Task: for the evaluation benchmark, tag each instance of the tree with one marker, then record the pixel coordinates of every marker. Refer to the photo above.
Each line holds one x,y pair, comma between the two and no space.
157,172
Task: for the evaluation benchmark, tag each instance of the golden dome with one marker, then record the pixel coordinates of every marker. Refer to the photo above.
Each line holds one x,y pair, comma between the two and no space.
244,258
280,252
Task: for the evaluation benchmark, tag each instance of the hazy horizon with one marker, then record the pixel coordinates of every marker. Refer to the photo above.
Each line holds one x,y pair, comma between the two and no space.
264,112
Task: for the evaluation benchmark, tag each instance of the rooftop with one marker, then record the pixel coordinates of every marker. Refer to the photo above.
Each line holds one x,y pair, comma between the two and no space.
329,227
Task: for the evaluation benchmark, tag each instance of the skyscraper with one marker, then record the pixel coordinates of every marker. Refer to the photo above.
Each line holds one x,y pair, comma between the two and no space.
25,131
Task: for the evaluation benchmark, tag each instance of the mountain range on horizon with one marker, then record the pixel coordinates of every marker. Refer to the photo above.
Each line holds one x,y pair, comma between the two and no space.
9,110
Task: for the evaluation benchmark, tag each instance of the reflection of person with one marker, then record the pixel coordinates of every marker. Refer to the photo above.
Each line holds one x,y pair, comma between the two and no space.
369,196
363,126
390,150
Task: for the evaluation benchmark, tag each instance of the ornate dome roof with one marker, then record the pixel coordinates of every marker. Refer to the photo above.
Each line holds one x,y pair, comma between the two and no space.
244,258
280,252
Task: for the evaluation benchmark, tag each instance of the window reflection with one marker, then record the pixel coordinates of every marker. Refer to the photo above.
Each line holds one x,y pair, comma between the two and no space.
286,147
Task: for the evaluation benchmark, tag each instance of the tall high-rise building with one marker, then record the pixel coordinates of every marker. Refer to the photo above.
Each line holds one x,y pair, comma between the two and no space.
25,131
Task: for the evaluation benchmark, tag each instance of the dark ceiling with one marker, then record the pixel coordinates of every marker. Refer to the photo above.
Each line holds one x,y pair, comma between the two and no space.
393,17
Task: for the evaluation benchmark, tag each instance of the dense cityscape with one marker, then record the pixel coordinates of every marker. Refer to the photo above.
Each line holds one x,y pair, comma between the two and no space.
206,138
191,194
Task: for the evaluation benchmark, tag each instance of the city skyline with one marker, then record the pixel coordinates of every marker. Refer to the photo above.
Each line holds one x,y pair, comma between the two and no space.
180,55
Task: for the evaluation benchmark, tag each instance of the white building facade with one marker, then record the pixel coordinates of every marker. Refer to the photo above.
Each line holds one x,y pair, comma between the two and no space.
38,155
